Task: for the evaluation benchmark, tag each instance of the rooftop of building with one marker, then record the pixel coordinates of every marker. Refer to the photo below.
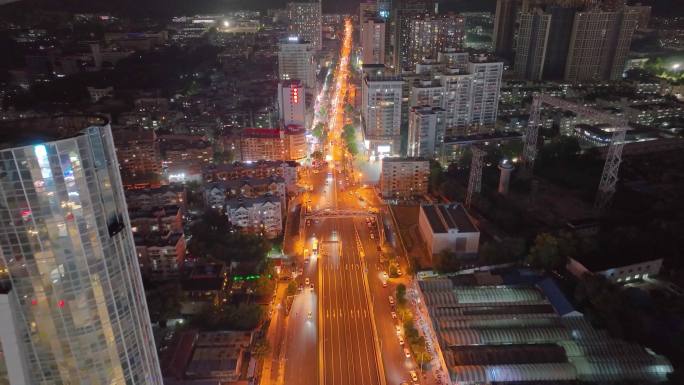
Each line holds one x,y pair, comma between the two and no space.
445,217
157,239
520,327
246,202
236,183
261,133
154,212
405,159
24,132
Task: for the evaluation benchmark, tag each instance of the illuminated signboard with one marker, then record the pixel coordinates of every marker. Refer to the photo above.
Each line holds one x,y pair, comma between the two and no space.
294,93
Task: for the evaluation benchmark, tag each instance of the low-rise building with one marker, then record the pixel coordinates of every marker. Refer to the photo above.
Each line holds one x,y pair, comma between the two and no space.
448,227
624,272
160,255
404,178
167,195
203,285
156,219
216,193
139,157
262,215
518,327
207,357
261,169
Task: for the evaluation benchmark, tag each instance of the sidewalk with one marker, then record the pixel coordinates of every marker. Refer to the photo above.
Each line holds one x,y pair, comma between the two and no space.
270,373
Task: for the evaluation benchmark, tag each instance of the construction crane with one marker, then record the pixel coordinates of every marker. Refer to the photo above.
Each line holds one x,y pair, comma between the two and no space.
475,178
619,128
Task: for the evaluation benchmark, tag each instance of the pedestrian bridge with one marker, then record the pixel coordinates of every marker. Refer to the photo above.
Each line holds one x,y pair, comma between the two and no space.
329,213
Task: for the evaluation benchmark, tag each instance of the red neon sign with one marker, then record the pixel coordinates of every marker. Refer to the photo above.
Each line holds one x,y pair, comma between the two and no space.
294,93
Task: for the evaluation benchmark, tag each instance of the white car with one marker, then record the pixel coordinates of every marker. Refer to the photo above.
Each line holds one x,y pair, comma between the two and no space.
407,353
391,300
398,330
306,282
401,341
394,315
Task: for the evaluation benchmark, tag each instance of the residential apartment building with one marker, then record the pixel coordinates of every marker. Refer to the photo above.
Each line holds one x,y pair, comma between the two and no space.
154,219
284,144
504,27
381,112
425,131
305,22
291,103
73,303
533,35
261,215
216,193
457,101
172,194
430,34
139,156
599,44
160,255
373,41
404,178
260,169
295,61
485,92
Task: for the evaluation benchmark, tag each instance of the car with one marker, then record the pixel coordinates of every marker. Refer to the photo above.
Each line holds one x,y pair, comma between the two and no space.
384,283
306,281
300,288
384,274
306,261
391,300
407,353
308,222
311,286
414,375
309,315
372,236
398,271
398,329
401,341
379,248
394,315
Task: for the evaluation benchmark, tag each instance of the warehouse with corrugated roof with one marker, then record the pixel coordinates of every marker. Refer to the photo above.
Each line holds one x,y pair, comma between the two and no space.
526,331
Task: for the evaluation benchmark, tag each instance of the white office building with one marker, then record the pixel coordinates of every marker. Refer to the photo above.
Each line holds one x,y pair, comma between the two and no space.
381,112
291,103
73,308
305,22
295,61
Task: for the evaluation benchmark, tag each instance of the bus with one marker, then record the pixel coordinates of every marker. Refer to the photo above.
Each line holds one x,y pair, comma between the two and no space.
314,246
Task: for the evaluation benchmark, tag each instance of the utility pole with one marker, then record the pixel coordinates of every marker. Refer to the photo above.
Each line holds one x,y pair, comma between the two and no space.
531,134
475,178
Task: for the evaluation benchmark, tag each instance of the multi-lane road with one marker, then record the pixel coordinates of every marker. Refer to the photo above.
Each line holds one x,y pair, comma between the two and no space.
341,331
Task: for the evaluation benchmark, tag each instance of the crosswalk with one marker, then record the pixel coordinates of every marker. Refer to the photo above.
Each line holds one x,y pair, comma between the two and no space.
339,313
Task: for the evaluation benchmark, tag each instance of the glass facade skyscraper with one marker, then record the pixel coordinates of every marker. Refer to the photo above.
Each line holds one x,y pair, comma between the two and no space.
76,294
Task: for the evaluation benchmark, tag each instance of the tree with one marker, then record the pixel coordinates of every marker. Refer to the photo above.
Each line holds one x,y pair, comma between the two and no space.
317,155
224,157
401,294
508,250
446,261
164,302
546,253
318,131
291,288
436,175
261,348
